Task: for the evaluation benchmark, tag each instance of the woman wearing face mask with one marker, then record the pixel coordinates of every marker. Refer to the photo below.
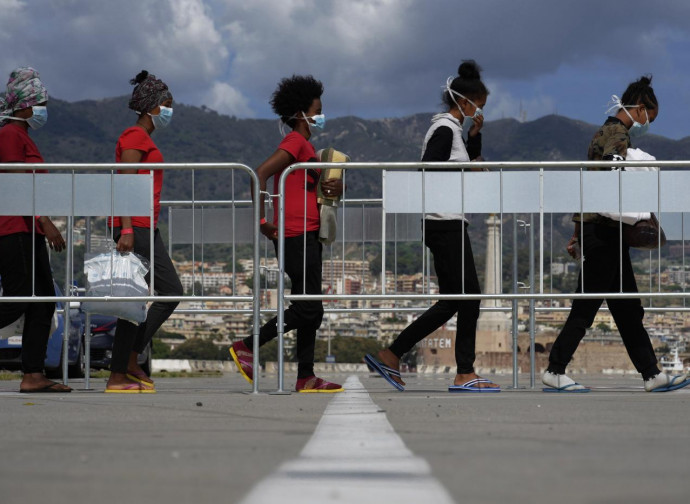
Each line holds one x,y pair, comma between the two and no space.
447,238
152,102
297,101
601,246
24,108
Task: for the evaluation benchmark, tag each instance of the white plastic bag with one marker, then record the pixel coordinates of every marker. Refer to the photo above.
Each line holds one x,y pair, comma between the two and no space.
116,274
633,217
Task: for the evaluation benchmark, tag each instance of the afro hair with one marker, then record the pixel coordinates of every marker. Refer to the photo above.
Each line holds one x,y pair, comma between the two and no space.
294,95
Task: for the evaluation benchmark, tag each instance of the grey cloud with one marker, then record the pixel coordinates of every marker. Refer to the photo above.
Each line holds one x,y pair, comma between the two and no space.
376,57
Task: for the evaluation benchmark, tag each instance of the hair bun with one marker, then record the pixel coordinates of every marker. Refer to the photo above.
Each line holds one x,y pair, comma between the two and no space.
141,76
645,80
469,70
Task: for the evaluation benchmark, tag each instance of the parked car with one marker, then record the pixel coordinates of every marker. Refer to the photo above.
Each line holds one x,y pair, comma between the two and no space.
11,344
102,337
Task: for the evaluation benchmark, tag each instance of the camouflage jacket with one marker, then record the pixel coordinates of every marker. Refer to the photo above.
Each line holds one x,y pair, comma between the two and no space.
610,143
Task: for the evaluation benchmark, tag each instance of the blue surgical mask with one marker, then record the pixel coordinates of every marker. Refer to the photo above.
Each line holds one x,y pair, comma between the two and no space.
319,121
163,118
467,121
638,129
39,117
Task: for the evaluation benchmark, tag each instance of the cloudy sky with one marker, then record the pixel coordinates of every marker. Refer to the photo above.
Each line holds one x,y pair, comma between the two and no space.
376,58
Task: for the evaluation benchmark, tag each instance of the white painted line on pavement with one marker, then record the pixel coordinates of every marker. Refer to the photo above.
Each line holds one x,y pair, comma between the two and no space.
354,456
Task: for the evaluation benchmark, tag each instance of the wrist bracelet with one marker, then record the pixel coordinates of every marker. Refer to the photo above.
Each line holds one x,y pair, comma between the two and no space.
262,221
125,231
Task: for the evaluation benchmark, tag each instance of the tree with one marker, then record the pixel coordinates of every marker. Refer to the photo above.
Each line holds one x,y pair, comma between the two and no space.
163,334
159,350
195,348
603,327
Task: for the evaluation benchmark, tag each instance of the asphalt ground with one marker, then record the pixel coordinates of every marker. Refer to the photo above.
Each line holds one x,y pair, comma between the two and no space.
202,440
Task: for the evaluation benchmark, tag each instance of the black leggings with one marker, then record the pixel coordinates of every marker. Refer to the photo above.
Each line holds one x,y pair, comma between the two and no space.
601,270
305,316
444,239
131,337
15,270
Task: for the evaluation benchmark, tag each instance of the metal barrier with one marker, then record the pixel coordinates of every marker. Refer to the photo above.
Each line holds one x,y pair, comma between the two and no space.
407,194
544,190
82,194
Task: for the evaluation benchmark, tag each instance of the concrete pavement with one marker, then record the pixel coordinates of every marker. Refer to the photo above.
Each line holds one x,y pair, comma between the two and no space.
205,440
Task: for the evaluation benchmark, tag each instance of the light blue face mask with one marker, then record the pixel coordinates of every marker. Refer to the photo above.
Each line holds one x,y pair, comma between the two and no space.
467,121
638,129
39,117
319,121
37,120
163,118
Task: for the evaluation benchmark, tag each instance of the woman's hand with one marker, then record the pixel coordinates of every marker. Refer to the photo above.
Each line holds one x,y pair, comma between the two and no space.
332,188
477,123
55,239
269,231
573,247
125,243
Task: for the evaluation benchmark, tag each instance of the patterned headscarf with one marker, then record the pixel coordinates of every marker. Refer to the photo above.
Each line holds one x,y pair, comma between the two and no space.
24,89
148,93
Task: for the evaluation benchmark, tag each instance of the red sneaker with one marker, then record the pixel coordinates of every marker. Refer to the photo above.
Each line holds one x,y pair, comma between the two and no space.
244,358
312,384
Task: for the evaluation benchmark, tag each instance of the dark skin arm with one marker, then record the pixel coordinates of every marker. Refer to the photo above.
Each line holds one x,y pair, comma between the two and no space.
276,163
474,130
126,241
55,239
573,240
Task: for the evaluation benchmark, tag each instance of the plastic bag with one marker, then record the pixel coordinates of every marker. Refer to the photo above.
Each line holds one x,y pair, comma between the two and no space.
633,217
116,274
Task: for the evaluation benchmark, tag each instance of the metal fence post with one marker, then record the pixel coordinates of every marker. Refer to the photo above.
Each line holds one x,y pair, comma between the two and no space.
515,303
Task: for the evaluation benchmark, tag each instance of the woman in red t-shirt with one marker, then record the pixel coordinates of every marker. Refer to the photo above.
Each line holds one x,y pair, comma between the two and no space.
298,103
24,106
152,101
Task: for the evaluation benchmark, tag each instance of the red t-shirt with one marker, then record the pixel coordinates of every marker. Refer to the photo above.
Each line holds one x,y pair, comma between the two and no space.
136,138
300,148
16,146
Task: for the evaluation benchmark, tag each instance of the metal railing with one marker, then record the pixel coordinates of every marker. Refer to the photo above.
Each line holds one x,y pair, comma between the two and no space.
82,194
502,190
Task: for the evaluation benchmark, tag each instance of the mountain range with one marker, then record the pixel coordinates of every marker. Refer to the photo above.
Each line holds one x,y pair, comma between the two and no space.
87,131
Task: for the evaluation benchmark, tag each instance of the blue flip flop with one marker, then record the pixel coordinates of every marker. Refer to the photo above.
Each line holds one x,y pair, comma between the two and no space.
385,371
677,386
567,389
473,386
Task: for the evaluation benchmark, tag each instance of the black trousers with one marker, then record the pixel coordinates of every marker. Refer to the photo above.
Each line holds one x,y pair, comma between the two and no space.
131,337
305,316
444,239
601,271
16,272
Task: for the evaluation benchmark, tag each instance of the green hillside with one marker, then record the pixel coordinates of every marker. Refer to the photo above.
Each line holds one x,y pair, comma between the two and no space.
87,131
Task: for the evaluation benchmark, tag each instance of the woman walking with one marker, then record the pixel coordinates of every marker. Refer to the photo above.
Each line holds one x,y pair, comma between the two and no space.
24,263
600,244
152,101
447,238
297,101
